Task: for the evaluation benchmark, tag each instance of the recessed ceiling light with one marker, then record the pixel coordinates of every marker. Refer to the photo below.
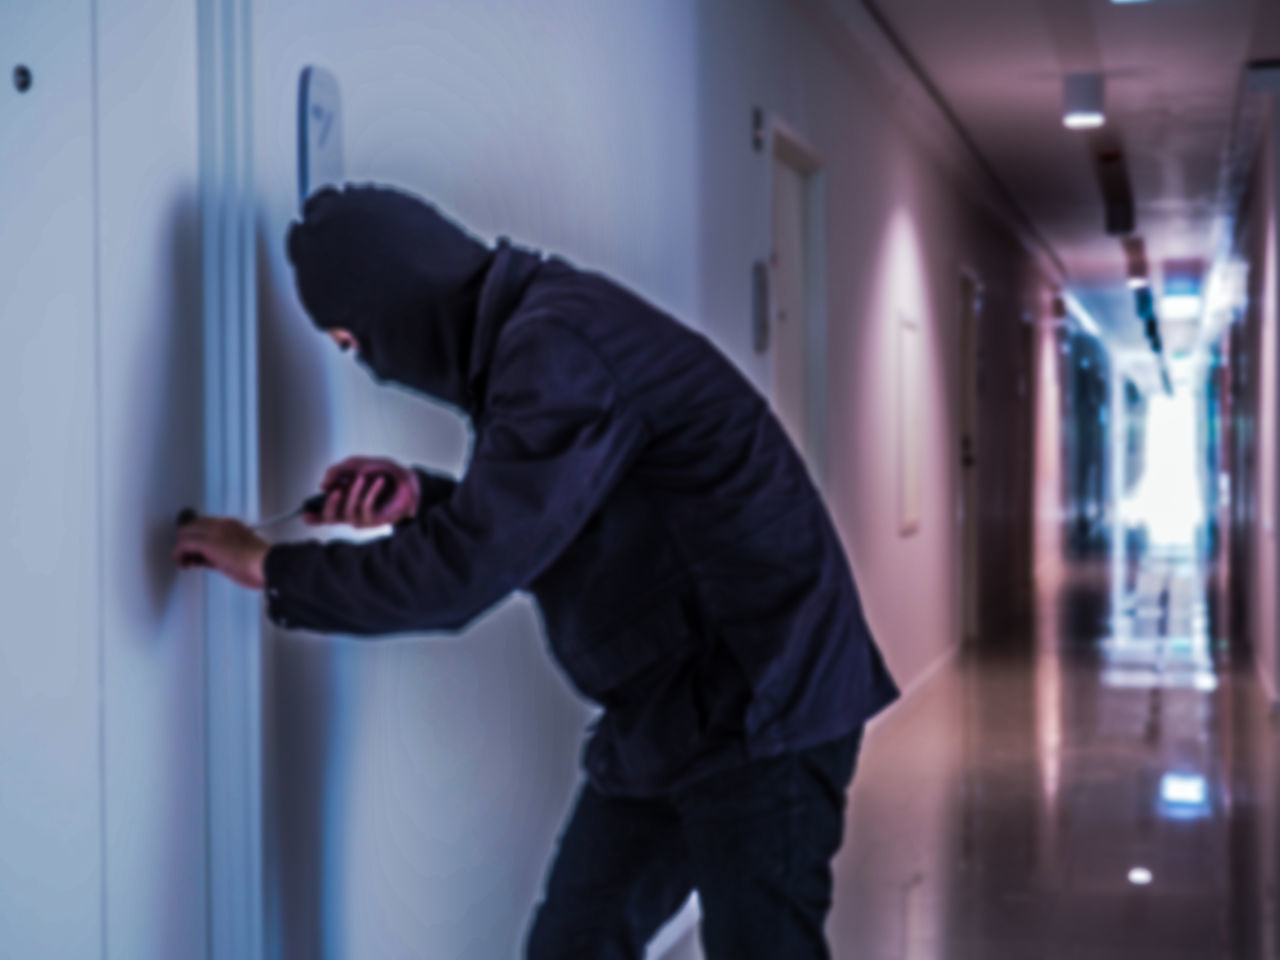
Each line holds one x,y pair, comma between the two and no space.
1084,121
1123,2
1083,101
1140,876
1184,788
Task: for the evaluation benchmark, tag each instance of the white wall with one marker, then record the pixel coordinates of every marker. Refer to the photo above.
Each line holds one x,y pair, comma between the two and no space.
415,788
102,807
1257,420
900,229
1266,267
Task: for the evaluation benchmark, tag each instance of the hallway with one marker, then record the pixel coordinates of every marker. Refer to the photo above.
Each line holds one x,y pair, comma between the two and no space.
1105,791
1006,274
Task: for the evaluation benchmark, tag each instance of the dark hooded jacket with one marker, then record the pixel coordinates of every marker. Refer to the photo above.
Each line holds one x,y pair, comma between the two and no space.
624,473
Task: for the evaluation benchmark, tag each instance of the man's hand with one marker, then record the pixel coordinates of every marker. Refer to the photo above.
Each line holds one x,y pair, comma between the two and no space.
355,487
224,544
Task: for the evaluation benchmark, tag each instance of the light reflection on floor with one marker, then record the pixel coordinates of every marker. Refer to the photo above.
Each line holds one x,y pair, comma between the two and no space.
1104,790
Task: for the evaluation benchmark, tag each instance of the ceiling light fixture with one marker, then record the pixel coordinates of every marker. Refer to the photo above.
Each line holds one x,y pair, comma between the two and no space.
1135,250
1140,876
1184,788
1083,95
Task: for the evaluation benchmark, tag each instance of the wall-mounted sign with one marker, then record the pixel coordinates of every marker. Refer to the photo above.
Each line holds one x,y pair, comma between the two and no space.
319,132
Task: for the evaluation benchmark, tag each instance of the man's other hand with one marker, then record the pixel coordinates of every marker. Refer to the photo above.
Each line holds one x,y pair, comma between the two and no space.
367,492
224,544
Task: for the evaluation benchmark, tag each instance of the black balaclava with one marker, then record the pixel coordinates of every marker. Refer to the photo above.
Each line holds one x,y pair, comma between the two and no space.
402,278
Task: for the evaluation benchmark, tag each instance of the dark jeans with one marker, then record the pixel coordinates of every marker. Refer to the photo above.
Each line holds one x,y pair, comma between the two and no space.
756,842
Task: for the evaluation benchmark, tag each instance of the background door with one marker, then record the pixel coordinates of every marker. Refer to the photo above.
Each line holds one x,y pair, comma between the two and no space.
790,335
797,333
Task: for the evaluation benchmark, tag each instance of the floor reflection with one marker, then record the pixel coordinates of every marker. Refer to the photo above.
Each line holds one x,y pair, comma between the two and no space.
1105,789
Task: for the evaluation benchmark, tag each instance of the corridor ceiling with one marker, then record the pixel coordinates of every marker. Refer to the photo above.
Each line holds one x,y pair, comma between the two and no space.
1173,70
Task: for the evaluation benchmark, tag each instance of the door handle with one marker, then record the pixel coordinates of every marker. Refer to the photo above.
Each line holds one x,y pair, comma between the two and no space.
760,305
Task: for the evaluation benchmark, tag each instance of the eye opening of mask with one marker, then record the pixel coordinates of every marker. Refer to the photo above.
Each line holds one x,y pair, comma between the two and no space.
353,339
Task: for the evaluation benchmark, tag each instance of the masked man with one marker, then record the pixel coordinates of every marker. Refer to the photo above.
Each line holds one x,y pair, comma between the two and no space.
689,577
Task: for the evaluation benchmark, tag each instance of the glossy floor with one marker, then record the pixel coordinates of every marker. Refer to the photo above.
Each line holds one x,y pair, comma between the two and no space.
1104,789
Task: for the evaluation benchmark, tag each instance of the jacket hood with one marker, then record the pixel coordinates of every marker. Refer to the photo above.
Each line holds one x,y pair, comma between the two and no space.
410,284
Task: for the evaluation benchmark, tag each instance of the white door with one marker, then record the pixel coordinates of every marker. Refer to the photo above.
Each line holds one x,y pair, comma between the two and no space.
102,732
969,421
50,667
790,322
150,412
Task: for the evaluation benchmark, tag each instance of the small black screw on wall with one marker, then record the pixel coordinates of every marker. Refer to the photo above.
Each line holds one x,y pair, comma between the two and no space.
22,78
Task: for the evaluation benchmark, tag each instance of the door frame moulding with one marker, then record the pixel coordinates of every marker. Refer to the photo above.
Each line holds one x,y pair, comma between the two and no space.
967,380
783,143
233,619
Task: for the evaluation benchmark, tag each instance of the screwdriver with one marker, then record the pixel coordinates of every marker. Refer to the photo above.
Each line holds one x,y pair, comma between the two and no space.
313,505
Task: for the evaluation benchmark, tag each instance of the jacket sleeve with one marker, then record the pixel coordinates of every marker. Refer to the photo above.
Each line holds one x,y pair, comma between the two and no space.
433,489
555,439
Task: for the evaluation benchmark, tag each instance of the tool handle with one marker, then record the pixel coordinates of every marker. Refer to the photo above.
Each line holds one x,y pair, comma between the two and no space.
314,505
188,515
